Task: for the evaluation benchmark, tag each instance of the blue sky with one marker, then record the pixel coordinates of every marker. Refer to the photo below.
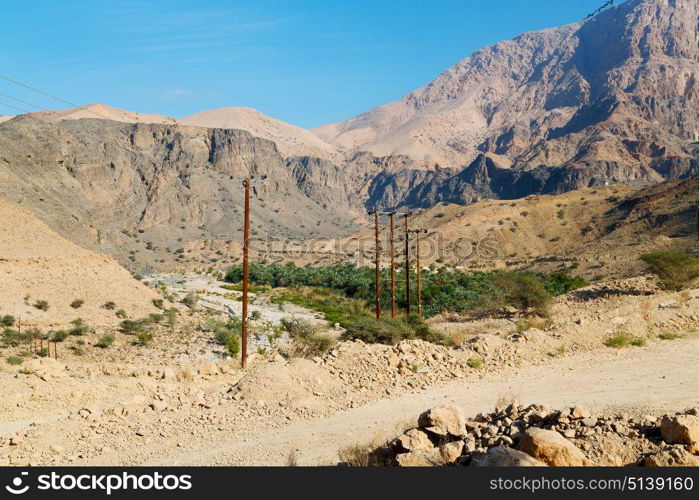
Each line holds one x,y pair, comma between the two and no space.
305,62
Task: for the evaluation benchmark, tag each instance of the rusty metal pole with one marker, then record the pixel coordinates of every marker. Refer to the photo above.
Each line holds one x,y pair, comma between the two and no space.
377,257
393,270
246,248
55,349
419,275
407,266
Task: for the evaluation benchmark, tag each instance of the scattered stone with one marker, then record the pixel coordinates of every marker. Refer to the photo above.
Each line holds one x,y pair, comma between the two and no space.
552,448
444,420
681,429
413,440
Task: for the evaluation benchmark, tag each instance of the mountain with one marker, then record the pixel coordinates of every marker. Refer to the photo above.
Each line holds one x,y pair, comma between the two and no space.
620,88
38,264
102,111
138,190
290,140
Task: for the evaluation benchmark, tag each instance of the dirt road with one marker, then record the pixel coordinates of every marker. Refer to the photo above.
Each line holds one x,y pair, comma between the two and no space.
657,379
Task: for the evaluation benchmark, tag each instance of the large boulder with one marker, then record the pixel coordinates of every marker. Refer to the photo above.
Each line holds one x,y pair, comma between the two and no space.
552,448
444,420
413,440
504,456
672,456
681,429
423,458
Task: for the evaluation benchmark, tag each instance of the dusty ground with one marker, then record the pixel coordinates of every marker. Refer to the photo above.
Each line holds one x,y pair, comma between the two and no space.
180,400
37,264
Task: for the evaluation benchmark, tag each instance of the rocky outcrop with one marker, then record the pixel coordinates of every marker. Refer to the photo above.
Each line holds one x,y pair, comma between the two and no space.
113,187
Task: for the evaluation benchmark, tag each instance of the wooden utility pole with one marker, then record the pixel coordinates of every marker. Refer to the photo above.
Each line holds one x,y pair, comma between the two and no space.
393,269
377,257
247,183
407,264
419,268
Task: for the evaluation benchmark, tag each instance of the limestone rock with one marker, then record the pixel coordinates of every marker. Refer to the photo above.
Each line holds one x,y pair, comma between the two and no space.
414,440
672,456
447,419
681,429
504,456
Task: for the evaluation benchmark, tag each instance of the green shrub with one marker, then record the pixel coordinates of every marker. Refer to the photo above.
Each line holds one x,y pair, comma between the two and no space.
79,327
42,305
14,360
59,335
476,362
158,303
130,326
7,320
120,314
669,336
13,338
675,270
623,339
309,341
77,303
256,315
233,345
144,337
110,306
105,341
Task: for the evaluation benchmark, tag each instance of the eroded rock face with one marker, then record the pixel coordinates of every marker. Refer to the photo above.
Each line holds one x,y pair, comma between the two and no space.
552,448
681,429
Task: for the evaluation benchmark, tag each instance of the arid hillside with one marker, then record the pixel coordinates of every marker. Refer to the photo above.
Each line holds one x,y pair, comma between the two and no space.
43,274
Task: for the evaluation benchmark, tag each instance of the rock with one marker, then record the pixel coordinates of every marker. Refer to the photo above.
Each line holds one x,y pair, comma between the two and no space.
423,458
209,369
168,374
57,449
452,451
413,440
447,419
672,456
504,456
551,448
158,405
681,429
589,422
579,412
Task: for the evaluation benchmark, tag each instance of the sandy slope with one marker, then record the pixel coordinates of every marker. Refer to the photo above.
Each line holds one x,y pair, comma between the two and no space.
38,264
659,379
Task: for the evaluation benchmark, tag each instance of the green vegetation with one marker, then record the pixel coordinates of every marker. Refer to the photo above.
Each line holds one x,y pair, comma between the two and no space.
105,341
13,338
110,306
144,337
479,292
120,313
14,360
623,339
159,303
79,327
59,335
77,303
7,320
669,336
475,362
309,341
676,270
226,333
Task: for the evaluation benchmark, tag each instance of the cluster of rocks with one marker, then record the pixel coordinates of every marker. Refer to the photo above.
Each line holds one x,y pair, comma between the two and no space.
411,364
535,435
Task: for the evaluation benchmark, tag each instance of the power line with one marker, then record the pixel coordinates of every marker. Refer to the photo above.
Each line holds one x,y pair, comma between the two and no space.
33,89
24,102
600,9
14,107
